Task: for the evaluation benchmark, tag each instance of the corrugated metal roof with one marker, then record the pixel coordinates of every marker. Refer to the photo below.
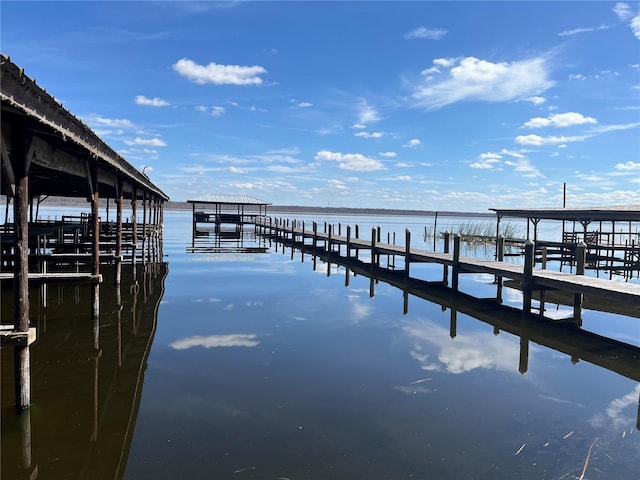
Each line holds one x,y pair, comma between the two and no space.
229,199
589,214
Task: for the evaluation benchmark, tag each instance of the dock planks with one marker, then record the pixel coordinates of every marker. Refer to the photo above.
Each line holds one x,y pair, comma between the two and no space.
541,279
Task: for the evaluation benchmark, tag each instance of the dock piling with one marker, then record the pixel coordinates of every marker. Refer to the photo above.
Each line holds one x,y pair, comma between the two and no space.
581,259
456,263
527,282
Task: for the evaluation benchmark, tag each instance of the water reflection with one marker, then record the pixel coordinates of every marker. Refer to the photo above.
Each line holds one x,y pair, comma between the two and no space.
225,238
475,350
86,377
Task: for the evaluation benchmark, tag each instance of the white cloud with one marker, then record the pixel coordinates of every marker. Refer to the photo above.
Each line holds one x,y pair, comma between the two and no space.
486,161
305,104
445,62
628,166
475,79
149,142
350,161
511,153
369,135
388,154
424,32
151,102
213,341
219,74
635,26
536,100
109,122
217,111
366,113
524,167
576,31
560,120
359,126
623,11
337,184
412,143
489,156
537,140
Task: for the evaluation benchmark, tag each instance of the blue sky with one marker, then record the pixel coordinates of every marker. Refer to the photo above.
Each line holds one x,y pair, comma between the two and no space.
460,106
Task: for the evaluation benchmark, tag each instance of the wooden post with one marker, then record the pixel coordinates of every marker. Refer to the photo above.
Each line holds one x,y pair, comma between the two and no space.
456,262
523,364
500,258
144,225
581,258
445,268
348,241
373,248
20,165
357,236
134,224
119,201
315,239
407,253
453,323
95,244
435,231
407,261
303,242
527,283
293,237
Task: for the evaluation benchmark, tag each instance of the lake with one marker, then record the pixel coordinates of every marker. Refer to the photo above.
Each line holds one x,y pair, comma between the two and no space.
257,365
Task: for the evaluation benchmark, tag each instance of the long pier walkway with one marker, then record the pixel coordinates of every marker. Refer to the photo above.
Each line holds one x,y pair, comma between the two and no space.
531,279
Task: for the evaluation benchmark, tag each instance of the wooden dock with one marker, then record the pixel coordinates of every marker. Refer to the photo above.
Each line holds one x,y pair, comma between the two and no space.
47,151
531,279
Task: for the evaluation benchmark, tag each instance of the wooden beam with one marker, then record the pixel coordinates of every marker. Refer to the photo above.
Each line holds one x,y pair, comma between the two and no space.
7,168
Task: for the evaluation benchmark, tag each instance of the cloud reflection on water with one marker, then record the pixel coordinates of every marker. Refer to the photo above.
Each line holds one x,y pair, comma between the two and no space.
464,353
621,411
213,341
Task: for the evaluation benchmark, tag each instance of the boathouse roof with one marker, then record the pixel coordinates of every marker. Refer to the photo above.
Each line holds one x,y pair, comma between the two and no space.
229,199
59,149
625,213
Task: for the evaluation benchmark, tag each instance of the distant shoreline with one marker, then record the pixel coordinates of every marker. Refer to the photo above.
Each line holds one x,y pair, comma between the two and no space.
290,209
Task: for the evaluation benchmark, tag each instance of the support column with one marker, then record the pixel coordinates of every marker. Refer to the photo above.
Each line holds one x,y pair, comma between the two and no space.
134,225
144,226
21,272
95,247
119,201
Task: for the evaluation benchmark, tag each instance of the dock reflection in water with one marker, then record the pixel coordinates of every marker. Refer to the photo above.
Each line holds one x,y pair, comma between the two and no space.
619,357
86,376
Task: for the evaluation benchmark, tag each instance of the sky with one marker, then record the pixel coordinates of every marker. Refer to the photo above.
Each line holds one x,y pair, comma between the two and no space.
449,106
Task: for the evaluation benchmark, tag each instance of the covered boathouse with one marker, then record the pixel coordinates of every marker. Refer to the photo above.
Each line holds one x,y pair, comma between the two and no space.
47,151
611,235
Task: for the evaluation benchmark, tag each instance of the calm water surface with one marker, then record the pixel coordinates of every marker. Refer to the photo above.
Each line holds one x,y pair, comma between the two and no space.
262,366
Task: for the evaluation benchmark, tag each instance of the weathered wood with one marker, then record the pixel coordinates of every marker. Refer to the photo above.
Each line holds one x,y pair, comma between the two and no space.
455,268
527,282
540,279
57,277
119,202
20,163
11,338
